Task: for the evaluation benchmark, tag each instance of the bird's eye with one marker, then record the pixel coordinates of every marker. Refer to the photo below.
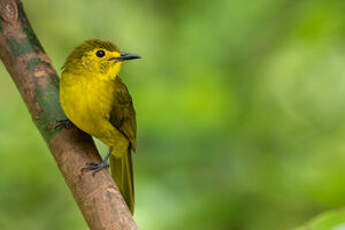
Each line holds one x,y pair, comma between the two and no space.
100,53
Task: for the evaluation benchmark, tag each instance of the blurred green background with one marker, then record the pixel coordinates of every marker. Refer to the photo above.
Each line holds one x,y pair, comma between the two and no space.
240,108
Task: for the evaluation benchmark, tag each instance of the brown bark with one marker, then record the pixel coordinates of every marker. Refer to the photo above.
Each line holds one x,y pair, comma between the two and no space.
97,196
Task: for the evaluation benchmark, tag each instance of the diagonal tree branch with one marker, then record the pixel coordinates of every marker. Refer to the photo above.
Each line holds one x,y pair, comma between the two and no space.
32,71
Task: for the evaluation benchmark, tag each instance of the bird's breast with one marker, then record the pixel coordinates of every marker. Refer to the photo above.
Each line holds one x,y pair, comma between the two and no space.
87,102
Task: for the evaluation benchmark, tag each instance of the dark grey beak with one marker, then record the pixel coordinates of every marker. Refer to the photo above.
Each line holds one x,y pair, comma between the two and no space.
127,56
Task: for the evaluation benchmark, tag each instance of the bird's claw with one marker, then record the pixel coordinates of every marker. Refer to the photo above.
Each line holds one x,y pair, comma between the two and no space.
63,124
96,167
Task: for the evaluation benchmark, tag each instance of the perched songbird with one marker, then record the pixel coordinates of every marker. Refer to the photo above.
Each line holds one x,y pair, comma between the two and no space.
96,100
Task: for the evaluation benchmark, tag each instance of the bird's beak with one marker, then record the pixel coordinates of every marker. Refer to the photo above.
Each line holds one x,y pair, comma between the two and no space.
127,56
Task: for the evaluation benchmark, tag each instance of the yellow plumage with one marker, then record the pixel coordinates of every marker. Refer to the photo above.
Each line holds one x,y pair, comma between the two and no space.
95,99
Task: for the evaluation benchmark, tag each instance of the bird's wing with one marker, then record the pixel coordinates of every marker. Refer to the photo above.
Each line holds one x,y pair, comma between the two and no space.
122,114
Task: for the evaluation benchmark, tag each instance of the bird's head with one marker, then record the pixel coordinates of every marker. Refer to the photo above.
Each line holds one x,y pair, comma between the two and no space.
98,57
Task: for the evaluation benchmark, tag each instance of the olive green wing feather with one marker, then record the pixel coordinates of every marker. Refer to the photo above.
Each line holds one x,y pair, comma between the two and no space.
122,117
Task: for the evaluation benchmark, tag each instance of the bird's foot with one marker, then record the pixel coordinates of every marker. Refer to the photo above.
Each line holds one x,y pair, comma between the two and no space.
63,124
96,167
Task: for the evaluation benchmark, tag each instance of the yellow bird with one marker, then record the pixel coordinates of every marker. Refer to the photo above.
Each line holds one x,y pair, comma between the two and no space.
96,100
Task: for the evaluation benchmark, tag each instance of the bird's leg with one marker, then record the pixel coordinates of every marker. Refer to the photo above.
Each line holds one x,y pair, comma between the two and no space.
63,124
96,167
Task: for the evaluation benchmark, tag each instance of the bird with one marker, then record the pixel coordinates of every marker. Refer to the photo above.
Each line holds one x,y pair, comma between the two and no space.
97,101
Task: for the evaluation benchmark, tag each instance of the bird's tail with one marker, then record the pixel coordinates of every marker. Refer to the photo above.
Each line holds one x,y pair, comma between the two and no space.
122,173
